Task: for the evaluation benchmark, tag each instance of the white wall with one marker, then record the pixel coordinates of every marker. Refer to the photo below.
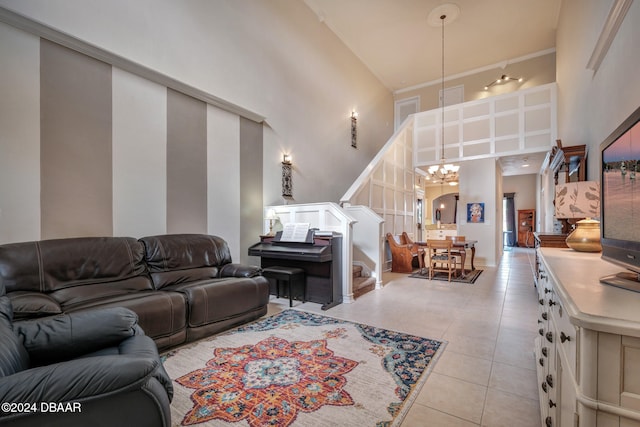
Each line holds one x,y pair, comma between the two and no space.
525,188
591,105
273,58
139,156
19,136
481,186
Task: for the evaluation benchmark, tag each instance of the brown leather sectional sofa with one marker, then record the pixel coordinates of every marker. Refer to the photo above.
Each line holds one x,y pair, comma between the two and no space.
182,287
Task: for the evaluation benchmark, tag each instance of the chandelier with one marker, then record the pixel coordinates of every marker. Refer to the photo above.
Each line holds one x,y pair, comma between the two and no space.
444,173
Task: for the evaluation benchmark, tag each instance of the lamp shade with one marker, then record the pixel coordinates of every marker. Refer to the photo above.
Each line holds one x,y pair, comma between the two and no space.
578,200
271,214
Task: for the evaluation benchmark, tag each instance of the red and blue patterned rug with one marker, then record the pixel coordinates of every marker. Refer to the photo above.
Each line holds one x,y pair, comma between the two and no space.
299,369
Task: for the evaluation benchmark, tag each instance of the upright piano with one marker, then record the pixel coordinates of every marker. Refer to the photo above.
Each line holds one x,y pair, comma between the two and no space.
320,257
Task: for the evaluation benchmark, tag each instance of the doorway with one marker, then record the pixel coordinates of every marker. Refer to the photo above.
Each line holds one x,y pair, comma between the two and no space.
508,221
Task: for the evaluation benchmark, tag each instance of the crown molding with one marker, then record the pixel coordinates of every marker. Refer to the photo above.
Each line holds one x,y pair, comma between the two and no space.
609,31
502,65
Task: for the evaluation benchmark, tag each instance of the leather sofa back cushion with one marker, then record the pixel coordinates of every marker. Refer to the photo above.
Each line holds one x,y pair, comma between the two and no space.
180,258
73,271
52,265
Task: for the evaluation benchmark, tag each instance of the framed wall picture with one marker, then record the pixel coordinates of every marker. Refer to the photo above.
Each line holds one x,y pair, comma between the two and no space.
475,212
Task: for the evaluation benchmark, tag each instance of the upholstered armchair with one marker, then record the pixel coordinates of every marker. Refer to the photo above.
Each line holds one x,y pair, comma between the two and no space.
91,368
401,255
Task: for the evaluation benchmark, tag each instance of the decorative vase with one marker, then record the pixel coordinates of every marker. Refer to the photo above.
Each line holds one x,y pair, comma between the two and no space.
585,237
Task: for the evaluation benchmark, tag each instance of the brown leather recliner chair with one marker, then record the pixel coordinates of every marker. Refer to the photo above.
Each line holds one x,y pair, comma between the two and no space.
89,368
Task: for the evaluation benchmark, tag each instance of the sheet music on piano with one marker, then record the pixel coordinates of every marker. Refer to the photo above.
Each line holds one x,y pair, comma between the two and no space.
295,232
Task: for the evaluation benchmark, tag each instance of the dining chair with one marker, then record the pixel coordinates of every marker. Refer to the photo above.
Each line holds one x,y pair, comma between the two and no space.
441,257
458,251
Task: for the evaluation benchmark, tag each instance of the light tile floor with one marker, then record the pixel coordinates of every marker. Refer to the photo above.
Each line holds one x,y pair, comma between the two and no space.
486,375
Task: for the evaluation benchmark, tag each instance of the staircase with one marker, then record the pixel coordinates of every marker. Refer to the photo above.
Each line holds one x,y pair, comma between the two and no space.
361,284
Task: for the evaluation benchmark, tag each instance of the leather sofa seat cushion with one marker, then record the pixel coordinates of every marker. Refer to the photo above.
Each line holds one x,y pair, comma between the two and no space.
168,278
180,258
27,305
73,296
217,300
160,314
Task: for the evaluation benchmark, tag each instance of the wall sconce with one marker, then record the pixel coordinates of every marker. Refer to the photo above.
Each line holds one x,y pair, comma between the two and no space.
503,79
354,129
287,181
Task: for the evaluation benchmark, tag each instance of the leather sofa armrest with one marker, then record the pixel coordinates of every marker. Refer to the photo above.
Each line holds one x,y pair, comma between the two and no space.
143,346
77,380
65,336
239,270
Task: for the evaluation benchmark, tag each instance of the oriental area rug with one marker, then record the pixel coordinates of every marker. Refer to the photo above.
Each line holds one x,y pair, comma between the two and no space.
299,369
469,277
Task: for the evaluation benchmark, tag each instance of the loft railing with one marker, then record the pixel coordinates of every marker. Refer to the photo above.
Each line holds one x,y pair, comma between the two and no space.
519,122
516,123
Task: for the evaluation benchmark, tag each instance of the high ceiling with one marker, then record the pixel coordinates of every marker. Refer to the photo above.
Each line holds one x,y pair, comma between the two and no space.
399,42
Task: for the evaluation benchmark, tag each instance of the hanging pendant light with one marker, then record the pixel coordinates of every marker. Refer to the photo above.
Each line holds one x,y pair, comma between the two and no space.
444,172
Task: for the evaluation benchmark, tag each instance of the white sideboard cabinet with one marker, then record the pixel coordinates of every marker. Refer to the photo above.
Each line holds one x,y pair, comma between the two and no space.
440,233
588,347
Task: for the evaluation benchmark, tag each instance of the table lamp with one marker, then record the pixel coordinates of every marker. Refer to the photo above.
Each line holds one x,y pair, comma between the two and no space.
580,200
271,216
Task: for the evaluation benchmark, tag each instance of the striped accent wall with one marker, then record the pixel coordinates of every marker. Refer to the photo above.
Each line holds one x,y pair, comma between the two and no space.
75,144
88,149
186,164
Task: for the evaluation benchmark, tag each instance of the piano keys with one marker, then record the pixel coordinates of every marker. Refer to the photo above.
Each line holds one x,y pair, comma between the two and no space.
320,258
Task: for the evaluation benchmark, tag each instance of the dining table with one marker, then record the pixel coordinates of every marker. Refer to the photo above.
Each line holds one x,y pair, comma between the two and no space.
466,244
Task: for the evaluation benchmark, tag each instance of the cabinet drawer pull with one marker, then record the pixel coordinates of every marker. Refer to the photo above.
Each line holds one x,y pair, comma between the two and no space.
545,315
541,361
545,351
549,336
547,290
551,303
541,301
552,403
564,337
550,380
541,331
544,387
548,422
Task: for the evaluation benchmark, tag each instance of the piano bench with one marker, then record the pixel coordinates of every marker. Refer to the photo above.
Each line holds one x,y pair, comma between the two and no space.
292,276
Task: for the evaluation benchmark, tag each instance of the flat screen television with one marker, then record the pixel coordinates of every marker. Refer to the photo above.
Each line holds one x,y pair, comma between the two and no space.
620,207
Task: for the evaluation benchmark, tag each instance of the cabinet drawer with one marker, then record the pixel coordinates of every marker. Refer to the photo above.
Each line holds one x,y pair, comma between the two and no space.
565,334
440,234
